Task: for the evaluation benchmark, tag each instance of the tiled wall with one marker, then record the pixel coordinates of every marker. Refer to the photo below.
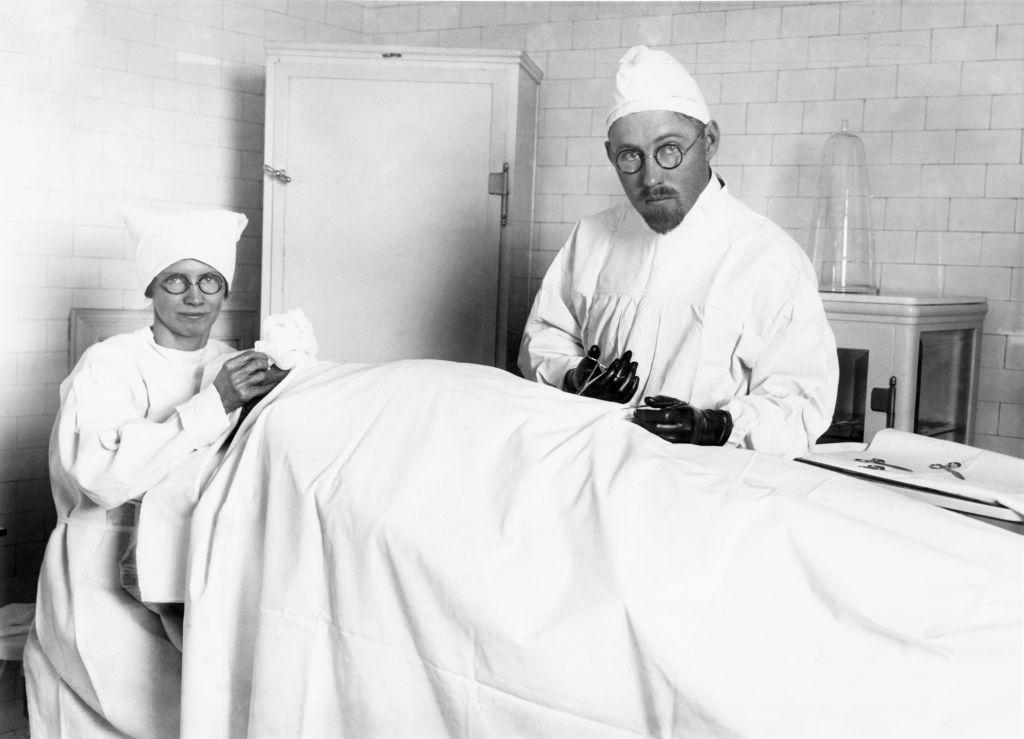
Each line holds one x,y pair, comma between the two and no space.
935,89
160,102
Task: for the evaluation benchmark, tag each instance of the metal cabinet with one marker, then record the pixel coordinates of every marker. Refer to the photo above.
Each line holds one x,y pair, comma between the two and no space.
398,198
905,362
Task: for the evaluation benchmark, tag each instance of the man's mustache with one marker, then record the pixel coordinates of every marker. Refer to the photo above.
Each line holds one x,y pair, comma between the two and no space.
658,191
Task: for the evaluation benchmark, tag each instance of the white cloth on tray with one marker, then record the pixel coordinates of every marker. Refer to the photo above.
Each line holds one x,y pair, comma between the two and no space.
989,477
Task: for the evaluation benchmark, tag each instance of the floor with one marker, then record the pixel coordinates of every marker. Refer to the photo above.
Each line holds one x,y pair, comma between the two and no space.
13,723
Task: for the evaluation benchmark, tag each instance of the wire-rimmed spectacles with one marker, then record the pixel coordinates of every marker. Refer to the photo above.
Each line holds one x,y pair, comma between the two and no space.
668,156
209,284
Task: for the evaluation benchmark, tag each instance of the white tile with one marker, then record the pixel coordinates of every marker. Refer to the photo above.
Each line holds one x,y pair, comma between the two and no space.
549,36
810,20
565,122
995,78
602,180
953,180
915,279
698,28
655,31
585,151
570,65
928,79
1004,181
929,147
993,351
756,23
744,149
894,179
931,14
1011,415
775,118
964,44
987,419
245,19
1010,42
561,180
894,114
981,214
916,213
1005,317
899,46
827,116
591,93
994,12
1000,386
770,180
551,150
503,37
784,52
728,56
596,34
869,17
959,112
845,50
750,87
1002,249
814,84
994,147
126,23
580,206
939,247
1015,352
526,11
482,13
987,282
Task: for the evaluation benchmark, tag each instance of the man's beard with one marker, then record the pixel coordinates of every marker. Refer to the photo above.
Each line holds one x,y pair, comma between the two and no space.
661,215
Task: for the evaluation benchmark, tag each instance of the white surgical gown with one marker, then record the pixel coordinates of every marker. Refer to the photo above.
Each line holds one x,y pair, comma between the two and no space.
98,663
723,312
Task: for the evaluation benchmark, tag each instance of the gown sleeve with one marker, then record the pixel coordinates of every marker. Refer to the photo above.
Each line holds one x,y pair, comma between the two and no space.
551,339
107,446
793,380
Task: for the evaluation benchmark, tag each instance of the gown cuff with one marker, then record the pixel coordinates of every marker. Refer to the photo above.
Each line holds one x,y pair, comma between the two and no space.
203,418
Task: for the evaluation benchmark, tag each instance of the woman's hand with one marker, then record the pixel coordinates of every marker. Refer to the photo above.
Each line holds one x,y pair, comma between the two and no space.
244,377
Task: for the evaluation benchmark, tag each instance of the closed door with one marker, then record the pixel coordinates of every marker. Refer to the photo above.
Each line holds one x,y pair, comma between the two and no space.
386,235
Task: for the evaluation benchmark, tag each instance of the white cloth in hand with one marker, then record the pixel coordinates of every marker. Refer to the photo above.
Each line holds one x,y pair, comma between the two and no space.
288,339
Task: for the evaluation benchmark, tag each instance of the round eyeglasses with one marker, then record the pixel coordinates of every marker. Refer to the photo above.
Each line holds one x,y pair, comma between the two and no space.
668,156
176,284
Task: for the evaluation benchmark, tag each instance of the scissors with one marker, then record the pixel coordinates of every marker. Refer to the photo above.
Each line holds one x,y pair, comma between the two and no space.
881,464
950,467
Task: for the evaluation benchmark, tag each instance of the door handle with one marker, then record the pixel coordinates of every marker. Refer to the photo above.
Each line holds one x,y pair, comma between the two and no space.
883,399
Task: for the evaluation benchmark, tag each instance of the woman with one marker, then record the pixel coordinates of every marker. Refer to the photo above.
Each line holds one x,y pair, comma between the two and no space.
134,413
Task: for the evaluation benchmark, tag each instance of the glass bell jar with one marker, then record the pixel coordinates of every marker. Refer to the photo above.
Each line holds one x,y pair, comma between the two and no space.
842,246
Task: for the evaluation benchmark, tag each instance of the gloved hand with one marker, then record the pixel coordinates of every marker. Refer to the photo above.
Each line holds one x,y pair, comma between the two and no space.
679,422
616,383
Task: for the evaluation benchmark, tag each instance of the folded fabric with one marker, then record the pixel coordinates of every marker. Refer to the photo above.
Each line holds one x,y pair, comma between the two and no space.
288,339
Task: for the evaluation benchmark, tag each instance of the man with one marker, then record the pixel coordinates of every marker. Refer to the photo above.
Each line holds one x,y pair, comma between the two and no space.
702,303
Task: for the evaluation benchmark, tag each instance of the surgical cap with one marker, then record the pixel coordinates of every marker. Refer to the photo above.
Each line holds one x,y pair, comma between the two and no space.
653,80
163,238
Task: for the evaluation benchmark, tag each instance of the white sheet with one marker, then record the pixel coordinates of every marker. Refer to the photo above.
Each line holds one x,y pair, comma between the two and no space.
425,549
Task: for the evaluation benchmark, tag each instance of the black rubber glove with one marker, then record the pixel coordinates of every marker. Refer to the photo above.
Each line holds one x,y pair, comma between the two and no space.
616,383
679,422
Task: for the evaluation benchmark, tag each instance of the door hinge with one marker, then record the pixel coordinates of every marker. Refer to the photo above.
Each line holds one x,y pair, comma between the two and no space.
278,174
497,184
